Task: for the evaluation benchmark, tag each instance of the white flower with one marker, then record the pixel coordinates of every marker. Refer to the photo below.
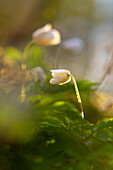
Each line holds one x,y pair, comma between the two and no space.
74,44
60,76
46,36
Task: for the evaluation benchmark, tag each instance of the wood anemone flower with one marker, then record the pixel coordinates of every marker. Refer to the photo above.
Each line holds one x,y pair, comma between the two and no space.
60,76
46,36
63,76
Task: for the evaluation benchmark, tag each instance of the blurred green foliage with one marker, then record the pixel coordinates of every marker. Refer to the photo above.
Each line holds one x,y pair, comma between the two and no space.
46,131
36,56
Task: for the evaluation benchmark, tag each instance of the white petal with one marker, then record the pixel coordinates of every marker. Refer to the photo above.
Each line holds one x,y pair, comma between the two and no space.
54,81
60,80
46,36
60,72
46,28
56,37
69,79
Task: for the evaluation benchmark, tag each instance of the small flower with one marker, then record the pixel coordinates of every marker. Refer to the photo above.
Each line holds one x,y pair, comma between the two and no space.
75,45
46,36
60,76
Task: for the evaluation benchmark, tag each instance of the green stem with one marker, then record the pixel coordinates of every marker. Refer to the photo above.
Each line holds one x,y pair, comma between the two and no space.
25,53
78,96
23,67
79,101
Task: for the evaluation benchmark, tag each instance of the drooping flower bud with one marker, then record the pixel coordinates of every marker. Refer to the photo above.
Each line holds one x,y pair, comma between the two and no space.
60,76
46,36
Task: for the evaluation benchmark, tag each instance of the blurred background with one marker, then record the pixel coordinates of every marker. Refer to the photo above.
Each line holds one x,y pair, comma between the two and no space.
86,28
89,21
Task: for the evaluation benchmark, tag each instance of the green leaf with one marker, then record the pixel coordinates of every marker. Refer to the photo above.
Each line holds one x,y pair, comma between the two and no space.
12,53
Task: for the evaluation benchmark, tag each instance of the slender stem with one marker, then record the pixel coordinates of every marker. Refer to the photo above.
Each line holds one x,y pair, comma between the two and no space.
57,59
23,67
22,92
79,101
25,53
78,96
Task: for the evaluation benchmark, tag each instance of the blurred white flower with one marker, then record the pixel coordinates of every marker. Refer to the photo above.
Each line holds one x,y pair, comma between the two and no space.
74,44
37,73
60,76
46,36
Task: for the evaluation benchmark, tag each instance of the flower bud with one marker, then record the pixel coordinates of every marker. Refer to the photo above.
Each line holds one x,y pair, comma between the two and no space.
46,36
60,76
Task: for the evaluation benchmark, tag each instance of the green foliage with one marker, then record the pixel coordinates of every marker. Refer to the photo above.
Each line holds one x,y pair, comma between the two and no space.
13,53
46,131
35,57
